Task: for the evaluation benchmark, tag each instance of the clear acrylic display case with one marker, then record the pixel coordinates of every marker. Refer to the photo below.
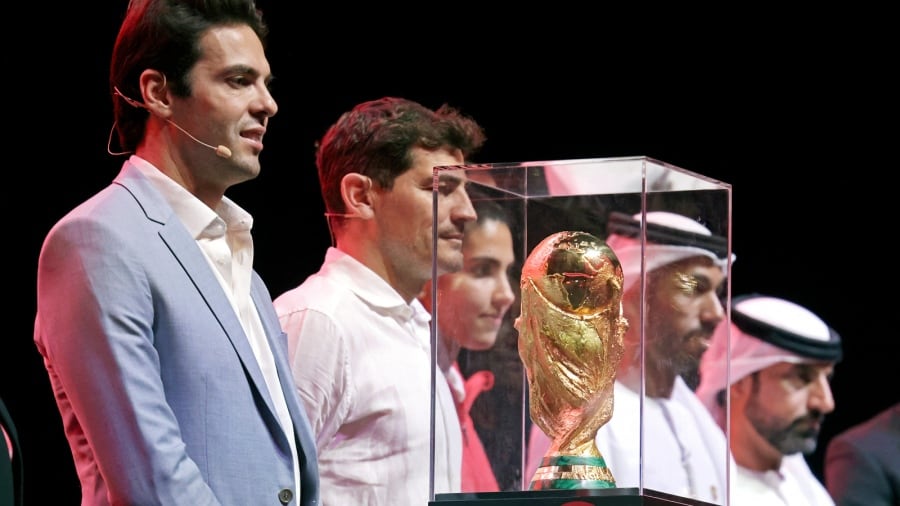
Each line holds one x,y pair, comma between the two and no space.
543,198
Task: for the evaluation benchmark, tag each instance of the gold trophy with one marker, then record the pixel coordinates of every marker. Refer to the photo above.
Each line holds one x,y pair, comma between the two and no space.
570,342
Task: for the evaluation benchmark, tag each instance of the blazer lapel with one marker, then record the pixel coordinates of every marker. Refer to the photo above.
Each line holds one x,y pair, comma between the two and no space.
278,342
197,268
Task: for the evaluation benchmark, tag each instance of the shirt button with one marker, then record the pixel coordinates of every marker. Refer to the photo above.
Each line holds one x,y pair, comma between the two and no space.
285,495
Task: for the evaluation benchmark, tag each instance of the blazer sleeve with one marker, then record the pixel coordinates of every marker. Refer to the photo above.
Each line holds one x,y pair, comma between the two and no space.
95,330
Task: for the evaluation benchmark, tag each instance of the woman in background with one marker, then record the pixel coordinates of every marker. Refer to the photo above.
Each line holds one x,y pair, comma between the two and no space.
472,304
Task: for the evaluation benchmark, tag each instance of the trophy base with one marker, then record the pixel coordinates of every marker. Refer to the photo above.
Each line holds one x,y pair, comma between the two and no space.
569,472
605,497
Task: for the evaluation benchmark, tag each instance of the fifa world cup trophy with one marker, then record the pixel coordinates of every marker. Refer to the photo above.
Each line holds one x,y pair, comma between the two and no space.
570,342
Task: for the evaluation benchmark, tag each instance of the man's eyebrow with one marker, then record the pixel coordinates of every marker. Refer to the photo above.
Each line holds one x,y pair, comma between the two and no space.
446,175
244,69
240,68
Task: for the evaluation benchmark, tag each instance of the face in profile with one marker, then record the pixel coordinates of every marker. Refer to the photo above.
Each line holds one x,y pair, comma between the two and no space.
786,404
404,215
474,300
683,309
227,106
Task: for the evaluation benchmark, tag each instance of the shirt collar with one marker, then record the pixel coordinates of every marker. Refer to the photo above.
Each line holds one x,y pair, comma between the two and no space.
372,288
197,217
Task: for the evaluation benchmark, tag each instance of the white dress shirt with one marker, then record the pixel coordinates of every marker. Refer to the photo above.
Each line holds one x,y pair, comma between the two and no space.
362,362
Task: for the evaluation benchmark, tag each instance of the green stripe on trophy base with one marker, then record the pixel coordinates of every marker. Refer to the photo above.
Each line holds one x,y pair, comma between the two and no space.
565,484
570,472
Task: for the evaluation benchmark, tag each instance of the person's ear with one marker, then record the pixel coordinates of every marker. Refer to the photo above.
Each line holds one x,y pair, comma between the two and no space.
155,93
358,199
741,390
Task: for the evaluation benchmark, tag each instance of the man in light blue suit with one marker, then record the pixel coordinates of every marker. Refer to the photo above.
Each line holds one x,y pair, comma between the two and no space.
161,342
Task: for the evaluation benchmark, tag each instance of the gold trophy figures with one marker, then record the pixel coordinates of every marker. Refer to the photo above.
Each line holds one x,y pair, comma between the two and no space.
570,342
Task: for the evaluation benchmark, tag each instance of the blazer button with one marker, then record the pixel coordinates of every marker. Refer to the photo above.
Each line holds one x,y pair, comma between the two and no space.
285,495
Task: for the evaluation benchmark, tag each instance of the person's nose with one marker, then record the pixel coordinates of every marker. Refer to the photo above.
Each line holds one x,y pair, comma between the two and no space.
266,104
504,295
712,310
821,397
462,210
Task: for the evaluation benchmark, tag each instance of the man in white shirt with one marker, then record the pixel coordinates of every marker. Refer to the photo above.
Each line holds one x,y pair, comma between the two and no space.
359,339
672,445
782,359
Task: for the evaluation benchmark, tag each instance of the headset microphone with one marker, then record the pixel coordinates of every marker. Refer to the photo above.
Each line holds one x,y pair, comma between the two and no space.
221,151
341,215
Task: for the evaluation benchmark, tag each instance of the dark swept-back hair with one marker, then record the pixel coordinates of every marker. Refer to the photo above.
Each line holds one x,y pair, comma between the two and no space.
165,35
375,139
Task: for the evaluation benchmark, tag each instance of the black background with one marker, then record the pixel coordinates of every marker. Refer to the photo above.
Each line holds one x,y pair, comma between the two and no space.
796,110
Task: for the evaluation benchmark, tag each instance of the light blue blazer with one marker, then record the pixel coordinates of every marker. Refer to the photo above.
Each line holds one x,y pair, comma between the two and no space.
160,394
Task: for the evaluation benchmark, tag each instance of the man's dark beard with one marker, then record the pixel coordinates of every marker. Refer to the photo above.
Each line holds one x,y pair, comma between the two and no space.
692,378
791,439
